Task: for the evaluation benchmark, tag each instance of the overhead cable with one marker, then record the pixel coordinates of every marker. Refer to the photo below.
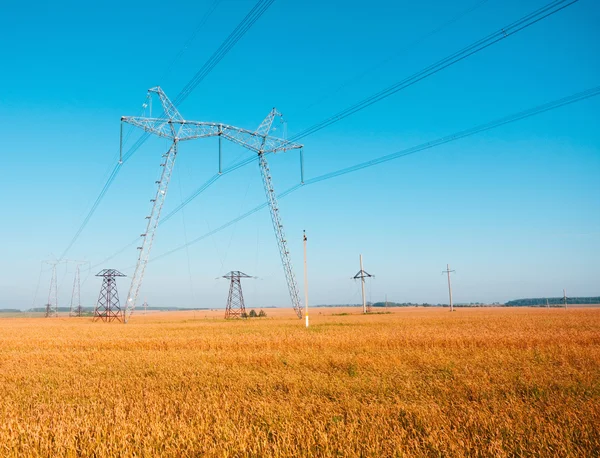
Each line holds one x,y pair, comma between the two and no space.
480,45
259,8
422,147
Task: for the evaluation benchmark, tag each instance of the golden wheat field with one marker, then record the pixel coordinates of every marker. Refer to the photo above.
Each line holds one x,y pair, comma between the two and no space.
414,382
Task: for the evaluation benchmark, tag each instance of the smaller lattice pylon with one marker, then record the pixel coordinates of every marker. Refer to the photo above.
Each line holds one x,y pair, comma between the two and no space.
108,307
76,309
235,301
52,304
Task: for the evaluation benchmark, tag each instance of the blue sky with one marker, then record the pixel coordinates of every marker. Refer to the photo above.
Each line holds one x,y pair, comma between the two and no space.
514,210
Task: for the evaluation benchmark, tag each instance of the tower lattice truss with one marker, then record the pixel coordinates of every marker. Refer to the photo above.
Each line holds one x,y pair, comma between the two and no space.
235,301
172,126
108,307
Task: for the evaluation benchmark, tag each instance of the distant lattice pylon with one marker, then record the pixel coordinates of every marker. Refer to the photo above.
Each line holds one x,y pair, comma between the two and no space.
235,301
76,309
52,304
108,307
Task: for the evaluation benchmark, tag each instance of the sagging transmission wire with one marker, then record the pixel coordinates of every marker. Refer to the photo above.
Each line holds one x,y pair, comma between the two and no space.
255,13
185,202
511,29
261,7
480,45
396,53
189,41
580,96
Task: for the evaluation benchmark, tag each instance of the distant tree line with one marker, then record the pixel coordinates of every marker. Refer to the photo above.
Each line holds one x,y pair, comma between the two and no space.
253,314
552,301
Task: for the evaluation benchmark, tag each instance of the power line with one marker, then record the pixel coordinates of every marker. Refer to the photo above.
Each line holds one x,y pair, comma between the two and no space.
462,134
189,41
480,45
184,203
86,220
397,53
511,29
580,96
255,13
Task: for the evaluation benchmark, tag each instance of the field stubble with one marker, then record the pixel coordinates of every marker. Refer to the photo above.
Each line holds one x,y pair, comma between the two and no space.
416,382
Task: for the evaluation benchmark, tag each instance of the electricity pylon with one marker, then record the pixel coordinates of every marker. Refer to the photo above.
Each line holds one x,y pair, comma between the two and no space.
76,309
362,275
235,300
172,126
52,304
108,307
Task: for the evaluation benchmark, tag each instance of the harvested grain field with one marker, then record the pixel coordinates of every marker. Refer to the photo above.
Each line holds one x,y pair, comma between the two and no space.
413,382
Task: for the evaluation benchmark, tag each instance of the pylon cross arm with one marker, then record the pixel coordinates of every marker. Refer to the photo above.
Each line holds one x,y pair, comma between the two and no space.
191,130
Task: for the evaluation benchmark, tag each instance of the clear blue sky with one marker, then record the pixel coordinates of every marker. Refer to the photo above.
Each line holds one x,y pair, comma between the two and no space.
516,210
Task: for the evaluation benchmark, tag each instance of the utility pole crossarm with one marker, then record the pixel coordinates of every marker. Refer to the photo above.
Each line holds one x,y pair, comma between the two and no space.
362,274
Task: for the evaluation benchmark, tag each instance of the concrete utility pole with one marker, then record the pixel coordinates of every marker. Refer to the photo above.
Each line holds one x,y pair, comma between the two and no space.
565,297
448,271
362,284
305,282
362,275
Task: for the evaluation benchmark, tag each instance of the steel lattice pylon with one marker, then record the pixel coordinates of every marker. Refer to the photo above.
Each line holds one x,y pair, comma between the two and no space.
171,125
235,301
52,304
108,307
76,308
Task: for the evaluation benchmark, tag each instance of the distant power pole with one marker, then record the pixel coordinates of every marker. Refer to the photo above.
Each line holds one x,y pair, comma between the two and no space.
75,309
448,271
108,307
235,301
145,306
305,282
52,304
565,297
547,304
362,275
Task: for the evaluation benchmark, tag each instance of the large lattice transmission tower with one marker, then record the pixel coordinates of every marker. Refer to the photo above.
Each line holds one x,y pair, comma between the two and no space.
108,307
52,304
235,300
172,126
